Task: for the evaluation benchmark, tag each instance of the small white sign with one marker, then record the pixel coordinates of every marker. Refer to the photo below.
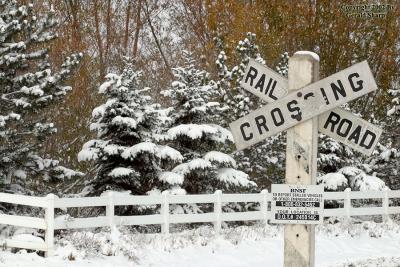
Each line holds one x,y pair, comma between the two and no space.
303,104
297,204
349,129
264,82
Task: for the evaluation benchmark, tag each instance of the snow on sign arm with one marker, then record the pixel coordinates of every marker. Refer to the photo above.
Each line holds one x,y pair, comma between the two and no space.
303,104
264,82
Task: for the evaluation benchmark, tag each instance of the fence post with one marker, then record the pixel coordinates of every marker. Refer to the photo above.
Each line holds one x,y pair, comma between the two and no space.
385,205
218,212
110,209
49,218
347,202
264,206
165,213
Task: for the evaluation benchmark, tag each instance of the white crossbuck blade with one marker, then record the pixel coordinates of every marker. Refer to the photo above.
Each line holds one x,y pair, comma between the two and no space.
303,104
338,124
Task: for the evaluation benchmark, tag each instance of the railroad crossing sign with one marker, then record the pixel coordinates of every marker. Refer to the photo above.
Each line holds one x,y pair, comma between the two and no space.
310,101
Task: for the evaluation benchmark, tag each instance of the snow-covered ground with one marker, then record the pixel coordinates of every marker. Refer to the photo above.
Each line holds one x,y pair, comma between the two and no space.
337,245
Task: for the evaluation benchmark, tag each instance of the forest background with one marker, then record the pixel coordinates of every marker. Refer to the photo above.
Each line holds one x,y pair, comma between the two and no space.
154,33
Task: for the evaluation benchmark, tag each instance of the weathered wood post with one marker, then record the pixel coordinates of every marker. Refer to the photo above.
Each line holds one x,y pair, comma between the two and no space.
49,218
347,203
218,212
110,210
264,206
301,161
165,213
385,205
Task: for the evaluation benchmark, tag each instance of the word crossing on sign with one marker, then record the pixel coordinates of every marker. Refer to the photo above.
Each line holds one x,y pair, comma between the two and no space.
303,104
350,130
264,82
297,204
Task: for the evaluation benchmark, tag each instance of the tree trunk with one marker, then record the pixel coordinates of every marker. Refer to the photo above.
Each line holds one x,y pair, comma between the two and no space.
153,32
126,37
98,39
76,36
137,30
108,28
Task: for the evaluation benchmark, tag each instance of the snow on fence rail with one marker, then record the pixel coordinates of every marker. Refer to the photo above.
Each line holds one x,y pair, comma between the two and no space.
49,223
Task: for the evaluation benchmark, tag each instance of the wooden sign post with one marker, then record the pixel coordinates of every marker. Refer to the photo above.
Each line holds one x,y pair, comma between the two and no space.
301,163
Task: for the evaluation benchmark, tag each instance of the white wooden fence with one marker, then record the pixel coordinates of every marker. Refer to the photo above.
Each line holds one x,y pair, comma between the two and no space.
49,223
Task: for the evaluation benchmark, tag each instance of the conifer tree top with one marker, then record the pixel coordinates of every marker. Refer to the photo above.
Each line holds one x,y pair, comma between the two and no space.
28,82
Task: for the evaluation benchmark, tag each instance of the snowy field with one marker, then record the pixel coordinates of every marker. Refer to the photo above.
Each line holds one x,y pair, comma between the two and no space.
341,244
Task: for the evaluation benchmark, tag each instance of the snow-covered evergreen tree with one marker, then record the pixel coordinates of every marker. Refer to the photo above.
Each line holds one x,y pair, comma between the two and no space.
353,178
386,163
265,161
394,138
197,133
239,101
27,85
283,65
127,151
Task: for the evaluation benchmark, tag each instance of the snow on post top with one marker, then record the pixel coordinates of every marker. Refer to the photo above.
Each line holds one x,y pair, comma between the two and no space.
309,53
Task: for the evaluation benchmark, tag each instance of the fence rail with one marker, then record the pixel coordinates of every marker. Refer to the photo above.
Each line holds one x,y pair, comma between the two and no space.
51,202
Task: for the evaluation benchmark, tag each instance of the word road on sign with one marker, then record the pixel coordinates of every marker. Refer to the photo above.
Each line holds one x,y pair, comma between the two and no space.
303,104
293,204
350,130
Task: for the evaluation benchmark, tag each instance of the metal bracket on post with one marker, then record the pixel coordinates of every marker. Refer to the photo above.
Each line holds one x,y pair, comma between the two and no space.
301,162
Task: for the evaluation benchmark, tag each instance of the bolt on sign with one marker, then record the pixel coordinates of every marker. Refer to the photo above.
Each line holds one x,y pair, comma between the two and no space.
338,124
303,104
297,204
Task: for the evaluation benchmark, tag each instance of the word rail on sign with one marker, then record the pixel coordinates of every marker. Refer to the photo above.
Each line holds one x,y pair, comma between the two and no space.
264,82
303,104
297,204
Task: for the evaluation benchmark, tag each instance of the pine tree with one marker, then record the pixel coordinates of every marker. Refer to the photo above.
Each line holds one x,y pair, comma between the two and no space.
264,161
127,151
239,101
283,65
196,132
386,162
27,85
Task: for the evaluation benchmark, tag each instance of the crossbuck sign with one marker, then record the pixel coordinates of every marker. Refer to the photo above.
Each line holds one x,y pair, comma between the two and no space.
301,105
319,98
